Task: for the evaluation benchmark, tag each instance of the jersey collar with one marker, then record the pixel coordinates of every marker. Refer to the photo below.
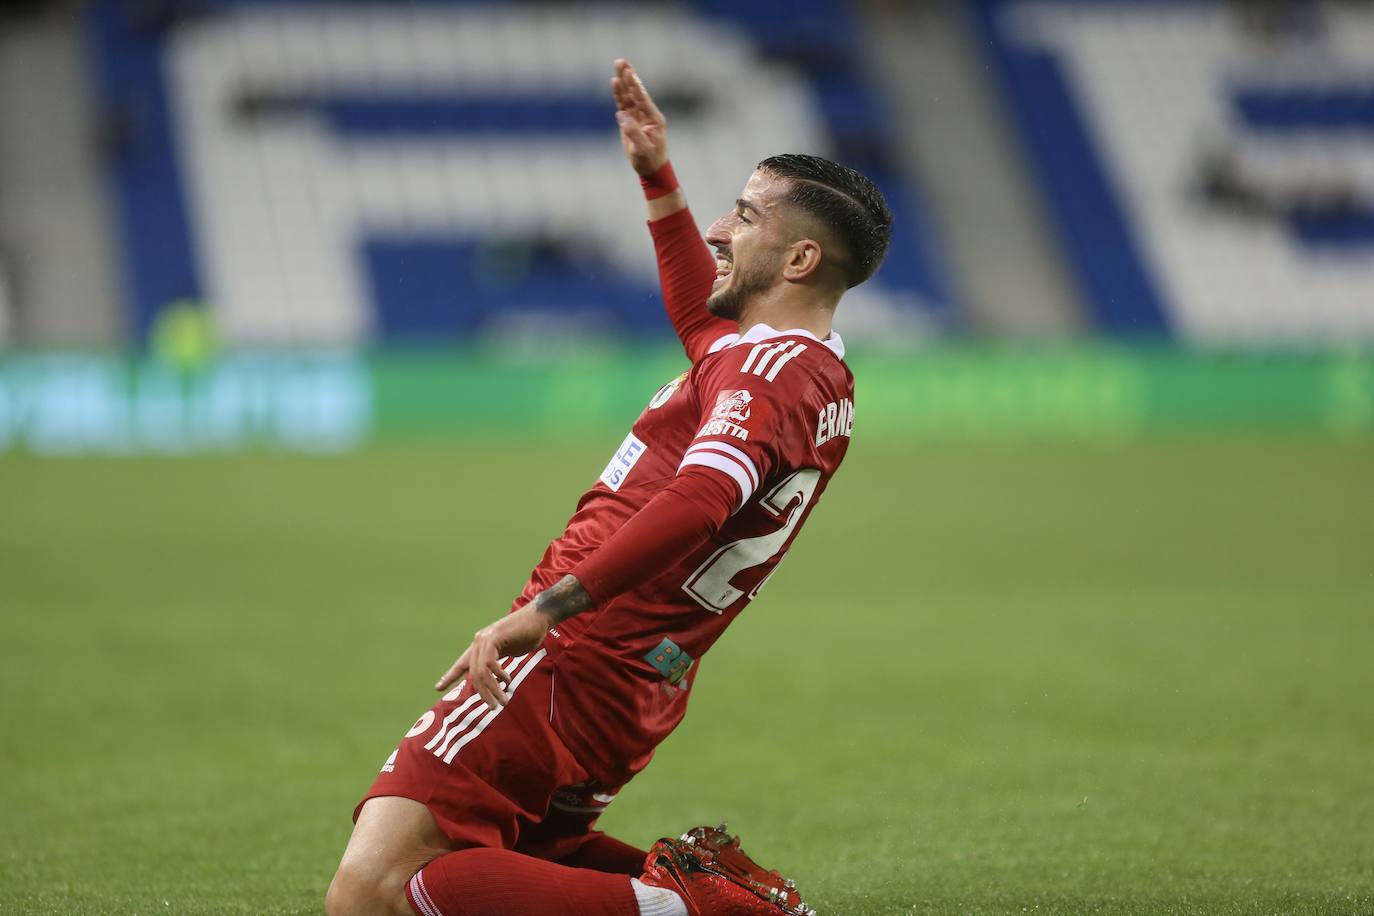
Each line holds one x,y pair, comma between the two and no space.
762,331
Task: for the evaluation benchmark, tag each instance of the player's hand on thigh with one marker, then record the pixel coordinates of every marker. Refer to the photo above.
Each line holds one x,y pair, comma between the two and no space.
517,633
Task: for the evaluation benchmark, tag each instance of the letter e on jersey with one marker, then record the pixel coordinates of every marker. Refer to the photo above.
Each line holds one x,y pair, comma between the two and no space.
836,419
623,461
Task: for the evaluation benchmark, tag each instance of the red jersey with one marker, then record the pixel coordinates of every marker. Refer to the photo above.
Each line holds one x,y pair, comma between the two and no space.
770,410
691,516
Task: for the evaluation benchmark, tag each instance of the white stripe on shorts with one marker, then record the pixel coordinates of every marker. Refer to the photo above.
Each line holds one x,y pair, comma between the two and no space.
458,710
486,720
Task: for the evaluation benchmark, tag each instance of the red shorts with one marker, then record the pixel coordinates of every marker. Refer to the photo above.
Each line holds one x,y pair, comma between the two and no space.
501,778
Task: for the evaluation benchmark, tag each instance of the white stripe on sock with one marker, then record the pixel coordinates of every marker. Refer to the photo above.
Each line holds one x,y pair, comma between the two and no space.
657,901
421,896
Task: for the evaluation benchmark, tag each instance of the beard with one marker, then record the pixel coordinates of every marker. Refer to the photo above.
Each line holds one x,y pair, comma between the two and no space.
744,283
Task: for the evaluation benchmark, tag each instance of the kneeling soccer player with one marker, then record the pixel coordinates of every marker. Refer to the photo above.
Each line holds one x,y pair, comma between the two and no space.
488,805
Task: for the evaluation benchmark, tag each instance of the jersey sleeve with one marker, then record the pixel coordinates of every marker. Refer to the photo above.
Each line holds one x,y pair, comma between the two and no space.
686,272
755,403
681,517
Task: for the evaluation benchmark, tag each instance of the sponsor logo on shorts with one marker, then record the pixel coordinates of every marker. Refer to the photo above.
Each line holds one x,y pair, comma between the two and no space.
582,799
623,461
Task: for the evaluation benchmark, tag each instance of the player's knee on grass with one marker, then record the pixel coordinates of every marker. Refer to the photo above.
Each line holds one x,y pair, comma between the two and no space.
359,891
392,840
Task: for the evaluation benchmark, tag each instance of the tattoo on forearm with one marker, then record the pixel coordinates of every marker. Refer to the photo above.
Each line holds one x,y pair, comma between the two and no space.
562,600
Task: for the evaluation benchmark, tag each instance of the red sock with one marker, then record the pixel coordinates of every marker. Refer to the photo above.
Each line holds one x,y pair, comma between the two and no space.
498,882
606,853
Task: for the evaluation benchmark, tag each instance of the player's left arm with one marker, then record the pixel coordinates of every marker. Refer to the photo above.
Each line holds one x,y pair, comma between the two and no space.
686,267
644,137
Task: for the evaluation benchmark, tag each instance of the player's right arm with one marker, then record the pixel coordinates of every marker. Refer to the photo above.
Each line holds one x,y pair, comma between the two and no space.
680,517
685,265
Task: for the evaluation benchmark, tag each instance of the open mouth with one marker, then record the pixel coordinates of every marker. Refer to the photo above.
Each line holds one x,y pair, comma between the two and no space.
723,268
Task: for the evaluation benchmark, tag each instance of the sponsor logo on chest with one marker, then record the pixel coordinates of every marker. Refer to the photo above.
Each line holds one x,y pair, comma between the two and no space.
730,413
836,419
623,461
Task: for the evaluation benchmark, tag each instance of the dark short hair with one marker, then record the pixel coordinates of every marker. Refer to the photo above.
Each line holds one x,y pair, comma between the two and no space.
845,201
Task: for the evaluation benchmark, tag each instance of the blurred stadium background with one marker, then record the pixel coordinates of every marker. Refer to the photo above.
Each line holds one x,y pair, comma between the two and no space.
315,317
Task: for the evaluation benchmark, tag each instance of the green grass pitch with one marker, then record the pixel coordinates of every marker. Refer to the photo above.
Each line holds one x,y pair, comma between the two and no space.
1130,678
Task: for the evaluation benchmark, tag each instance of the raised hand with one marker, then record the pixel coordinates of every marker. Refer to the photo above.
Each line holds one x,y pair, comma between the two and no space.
643,129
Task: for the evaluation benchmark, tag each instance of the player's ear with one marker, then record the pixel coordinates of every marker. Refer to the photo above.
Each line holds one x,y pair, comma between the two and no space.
802,260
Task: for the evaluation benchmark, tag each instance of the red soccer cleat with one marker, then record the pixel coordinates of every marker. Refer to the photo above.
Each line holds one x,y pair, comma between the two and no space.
716,878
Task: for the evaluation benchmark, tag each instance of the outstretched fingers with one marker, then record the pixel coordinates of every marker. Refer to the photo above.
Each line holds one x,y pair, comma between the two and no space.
455,672
481,664
639,94
488,681
630,94
620,85
622,98
626,101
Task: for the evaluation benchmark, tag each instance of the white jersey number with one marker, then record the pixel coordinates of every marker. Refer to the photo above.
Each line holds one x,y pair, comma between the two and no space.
710,585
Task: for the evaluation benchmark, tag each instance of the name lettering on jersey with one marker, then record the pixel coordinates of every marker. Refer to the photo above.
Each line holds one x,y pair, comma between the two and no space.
729,415
836,419
767,359
623,461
